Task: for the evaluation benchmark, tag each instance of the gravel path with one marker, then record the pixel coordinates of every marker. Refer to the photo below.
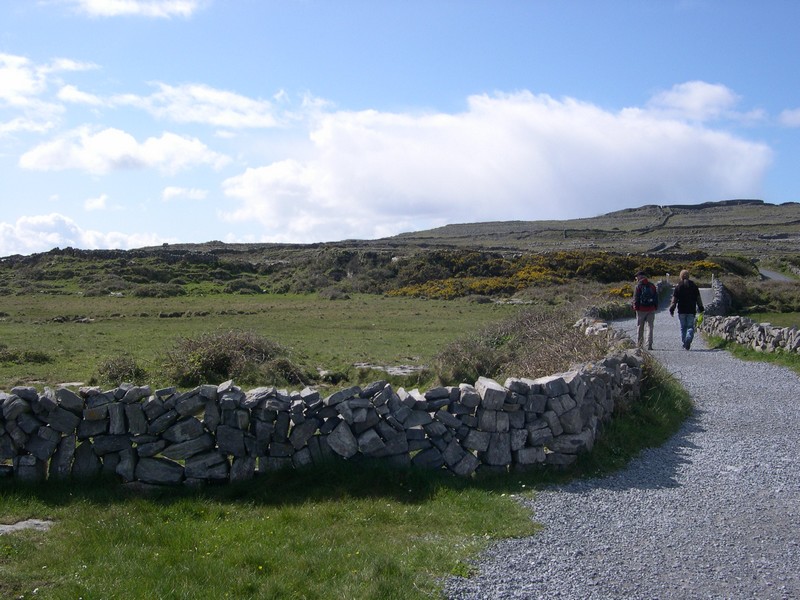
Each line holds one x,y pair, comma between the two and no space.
714,513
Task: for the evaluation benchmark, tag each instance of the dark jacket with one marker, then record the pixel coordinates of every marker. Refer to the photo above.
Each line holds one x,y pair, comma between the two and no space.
637,294
686,297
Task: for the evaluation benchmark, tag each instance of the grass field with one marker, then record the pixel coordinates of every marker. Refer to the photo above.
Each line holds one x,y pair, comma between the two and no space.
788,319
77,333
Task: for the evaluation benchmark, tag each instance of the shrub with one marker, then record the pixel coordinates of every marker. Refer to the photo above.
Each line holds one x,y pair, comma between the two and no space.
158,290
217,357
10,355
532,343
121,368
333,293
242,286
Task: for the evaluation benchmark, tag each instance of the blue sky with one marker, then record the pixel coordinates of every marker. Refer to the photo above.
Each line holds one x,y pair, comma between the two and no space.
126,123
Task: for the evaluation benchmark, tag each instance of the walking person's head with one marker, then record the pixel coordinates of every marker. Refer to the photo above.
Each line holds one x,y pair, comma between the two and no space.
684,274
641,275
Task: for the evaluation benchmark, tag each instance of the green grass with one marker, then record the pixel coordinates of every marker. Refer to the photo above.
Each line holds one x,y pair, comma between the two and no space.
320,334
352,530
788,319
784,359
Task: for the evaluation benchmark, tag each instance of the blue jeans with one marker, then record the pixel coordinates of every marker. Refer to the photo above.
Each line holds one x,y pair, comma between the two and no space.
687,327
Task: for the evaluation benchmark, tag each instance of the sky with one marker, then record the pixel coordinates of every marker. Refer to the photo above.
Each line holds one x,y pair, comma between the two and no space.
131,123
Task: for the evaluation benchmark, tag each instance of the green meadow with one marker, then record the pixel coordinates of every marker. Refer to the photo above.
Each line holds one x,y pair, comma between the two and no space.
52,340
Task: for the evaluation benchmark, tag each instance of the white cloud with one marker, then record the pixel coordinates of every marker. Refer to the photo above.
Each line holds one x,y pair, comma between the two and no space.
44,232
173,193
695,100
70,93
21,80
113,149
197,103
509,156
163,9
98,203
22,83
790,118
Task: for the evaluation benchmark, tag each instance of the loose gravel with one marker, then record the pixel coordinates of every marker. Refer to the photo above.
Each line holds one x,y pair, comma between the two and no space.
713,513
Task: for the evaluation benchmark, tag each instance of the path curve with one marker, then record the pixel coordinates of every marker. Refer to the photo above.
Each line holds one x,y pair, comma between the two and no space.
713,513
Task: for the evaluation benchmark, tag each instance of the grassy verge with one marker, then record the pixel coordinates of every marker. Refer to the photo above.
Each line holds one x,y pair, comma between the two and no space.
348,531
784,359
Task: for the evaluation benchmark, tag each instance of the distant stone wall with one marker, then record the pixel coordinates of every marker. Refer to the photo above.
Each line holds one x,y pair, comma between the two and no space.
721,304
214,433
761,337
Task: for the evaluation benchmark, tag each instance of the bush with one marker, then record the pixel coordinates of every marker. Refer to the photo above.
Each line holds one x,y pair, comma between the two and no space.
217,357
119,369
333,293
242,286
533,343
9,355
158,290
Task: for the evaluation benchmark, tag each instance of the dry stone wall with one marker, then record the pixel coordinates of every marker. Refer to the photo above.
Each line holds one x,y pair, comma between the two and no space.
224,433
762,337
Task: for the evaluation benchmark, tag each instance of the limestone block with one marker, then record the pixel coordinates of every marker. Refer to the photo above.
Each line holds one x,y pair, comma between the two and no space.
137,422
571,421
370,443
453,454
8,449
342,441
105,444
210,465
469,396
477,440
160,471
163,422
281,450
29,468
191,403
529,456
466,466
148,449
492,394
116,418
301,433
188,448
230,440
86,464
61,461
243,468
136,394
428,459
448,419
70,401
87,429
499,451
302,459
126,467
13,407
62,420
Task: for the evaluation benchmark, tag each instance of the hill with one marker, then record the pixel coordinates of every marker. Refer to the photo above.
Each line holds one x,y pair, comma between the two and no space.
497,258
751,228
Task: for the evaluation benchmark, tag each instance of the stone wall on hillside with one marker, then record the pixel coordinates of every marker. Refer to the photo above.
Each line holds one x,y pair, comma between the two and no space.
762,337
224,433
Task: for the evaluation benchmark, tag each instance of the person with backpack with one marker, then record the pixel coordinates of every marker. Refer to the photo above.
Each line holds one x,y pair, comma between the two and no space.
645,304
686,298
